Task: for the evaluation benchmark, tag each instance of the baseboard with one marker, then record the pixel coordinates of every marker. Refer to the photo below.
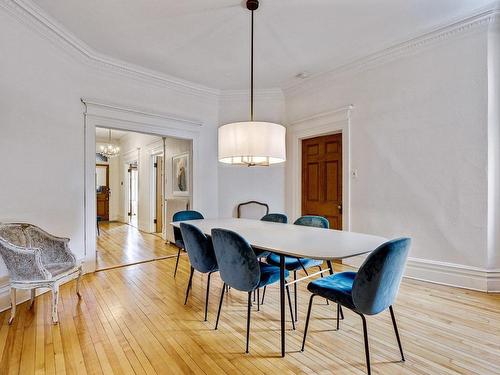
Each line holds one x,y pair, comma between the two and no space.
450,274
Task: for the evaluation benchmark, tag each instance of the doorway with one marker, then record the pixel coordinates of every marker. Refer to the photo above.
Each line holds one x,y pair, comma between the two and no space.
133,194
159,169
322,178
102,191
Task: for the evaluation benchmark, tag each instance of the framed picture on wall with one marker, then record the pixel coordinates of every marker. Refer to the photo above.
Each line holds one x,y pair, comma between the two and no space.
180,174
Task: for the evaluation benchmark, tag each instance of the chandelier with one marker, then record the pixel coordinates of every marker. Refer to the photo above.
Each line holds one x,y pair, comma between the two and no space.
109,150
252,142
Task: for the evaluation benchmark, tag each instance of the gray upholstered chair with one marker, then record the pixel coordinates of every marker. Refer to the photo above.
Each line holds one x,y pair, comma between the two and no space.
36,259
252,210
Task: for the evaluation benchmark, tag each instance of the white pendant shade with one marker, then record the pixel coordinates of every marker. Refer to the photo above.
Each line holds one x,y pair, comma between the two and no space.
252,143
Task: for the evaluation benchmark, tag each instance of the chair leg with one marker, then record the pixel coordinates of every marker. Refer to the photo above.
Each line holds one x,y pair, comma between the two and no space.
177,261
78,282
55,301
207,296
338,316
263,294
367,348
248,318
290,306
321,275
307,321
32,299
258,299
341,313
189,284
220,305
13,305
295,301
397,333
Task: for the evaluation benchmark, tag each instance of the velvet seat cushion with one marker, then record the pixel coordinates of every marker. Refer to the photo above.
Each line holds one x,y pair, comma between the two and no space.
336,288
269,274
292,263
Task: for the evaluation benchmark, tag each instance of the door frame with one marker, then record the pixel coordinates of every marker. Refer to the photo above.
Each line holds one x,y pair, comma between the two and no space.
155,152
332,122
103,114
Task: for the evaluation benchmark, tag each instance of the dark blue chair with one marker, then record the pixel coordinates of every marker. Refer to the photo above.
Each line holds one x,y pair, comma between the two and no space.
179,242
294,264
275,218
240,269
369,291
201,256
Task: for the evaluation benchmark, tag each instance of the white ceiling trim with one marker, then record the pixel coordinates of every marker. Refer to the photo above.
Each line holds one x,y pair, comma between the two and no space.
482,19
29,13
46,26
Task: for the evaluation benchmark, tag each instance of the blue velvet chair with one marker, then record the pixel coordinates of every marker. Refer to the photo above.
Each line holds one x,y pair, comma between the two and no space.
275,218
369,291
240,269
201,256
294,264
179,242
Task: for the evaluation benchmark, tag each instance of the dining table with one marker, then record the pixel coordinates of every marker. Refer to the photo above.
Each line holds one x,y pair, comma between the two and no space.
295,241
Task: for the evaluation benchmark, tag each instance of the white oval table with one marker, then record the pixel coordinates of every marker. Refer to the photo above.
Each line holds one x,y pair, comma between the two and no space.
294,240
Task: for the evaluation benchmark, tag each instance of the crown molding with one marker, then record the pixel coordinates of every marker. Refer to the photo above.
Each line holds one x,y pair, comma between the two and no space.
30,14
485,17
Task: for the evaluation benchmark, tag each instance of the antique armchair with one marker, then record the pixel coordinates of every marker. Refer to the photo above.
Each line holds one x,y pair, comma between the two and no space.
36,259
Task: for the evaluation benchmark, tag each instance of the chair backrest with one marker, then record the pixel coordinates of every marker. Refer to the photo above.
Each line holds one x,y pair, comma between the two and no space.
275,218
238,264
377,282
15,234
199,248
183,216
252,210
313,221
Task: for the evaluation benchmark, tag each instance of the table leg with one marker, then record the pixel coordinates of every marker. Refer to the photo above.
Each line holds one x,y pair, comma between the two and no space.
282,303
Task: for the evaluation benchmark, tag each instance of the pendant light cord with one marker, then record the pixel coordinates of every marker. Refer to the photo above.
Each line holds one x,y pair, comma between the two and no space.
251,73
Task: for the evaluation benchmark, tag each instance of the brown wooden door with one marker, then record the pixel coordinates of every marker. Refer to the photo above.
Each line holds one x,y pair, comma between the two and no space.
159,194
102,191
322,178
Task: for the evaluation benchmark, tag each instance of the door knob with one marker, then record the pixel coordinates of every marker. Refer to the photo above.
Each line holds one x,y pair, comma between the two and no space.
339,206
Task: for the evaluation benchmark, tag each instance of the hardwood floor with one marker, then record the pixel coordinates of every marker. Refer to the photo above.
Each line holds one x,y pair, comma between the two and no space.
121,244
132,320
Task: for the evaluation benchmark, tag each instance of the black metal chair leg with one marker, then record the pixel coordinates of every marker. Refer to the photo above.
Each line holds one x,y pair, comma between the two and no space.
290,306
397,333
367,348
220,305
263,295
307,321
338,316
248,318
295,301
258,299
177,262
207,296
189,284
341,313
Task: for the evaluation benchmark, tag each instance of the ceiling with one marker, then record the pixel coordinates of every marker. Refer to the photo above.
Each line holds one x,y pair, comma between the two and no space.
103,134
207,41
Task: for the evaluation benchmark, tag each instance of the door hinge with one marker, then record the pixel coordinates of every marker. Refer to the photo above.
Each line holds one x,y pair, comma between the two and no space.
154,221
156,165
129,214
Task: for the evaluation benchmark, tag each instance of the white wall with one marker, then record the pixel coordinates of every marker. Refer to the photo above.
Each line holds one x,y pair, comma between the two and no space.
419,144
240,184
41,83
